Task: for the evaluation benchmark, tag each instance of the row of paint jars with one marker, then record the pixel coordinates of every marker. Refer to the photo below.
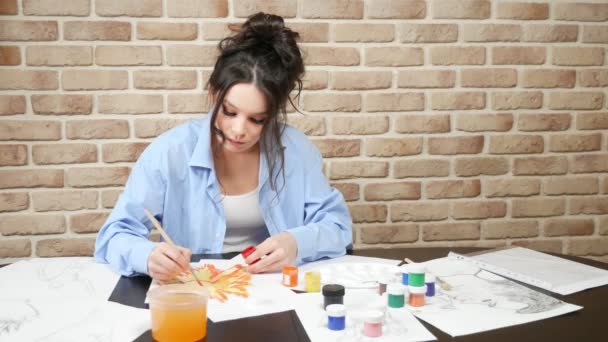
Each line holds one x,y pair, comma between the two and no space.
333,302
415,285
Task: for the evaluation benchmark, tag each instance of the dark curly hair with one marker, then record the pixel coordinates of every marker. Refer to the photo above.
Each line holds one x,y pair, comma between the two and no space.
263,52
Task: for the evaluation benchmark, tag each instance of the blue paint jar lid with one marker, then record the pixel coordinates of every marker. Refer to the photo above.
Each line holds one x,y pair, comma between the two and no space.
336,310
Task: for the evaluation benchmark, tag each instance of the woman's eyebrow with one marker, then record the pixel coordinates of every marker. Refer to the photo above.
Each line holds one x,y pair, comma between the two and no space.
237,108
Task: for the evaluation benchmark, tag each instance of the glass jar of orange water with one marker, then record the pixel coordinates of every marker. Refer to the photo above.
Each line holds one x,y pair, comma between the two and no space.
179,312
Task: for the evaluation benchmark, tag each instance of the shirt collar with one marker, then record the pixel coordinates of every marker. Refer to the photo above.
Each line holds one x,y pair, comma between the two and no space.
202,153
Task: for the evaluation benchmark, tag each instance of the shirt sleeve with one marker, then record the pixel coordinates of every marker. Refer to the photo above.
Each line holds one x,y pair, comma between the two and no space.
123,240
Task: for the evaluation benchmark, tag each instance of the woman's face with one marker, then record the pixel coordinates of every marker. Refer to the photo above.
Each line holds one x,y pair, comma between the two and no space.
241,118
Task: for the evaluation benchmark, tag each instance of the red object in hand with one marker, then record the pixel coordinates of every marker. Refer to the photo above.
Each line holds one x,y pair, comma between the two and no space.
247,251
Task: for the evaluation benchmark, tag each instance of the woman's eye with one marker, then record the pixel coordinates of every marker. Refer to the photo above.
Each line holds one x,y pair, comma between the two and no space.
258,122
227,113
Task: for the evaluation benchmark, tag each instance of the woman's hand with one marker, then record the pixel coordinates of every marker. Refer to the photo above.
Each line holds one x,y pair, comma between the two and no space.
274,253
167,261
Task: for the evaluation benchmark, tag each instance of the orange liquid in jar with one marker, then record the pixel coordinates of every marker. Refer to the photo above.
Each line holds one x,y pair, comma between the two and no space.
178,319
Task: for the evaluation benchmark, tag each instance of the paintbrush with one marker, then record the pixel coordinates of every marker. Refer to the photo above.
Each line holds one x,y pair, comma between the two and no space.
444,284
169,241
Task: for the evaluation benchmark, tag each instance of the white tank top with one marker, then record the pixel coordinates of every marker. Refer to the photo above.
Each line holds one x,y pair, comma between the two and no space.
244,222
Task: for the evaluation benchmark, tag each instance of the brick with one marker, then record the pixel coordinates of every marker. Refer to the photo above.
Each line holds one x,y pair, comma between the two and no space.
360,80
165,79
461,9
109,198
87,222
517,100
10,179
571,186
97,176
363,32
64,200
421,168
593,78
122,152
328,102
585,121
197,8
543,122
97,30
129,8
356,169
28,80
511,229
368,213
589,246
65,247
544,33
30,130
479,209
94,79
79,8
455,145
32,224
10,55
21,30
14,201
461,55
331,9
187,103
518,55
548,78
283,8
150,128
603,225
453,188
395,102
589,163
538,207
576,100
315,79
419,211
9,7
458,100
484,122
568,227
549,165
488,78
12,104
394,56
13,155
511,187
595,34
575,142
522,11
605,185
423,124
128,55
476,166
515,144
64,154
350,191
167,31
216,30
390,234
130,104
428,33
97,129
311,32
392,191
331,148
360,125
547,246
427,79
308,124
15,248
390,147
62,104
581,12
450,231
192,55
578,56
396,9
323,55
492,33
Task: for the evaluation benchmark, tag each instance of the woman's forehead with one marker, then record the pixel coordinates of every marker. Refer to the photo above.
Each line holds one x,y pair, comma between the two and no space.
246,98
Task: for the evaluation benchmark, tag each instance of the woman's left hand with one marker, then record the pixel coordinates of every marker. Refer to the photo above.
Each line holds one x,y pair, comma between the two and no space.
274,253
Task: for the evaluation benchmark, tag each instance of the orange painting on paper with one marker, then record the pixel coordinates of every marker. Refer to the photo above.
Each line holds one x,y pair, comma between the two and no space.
220,283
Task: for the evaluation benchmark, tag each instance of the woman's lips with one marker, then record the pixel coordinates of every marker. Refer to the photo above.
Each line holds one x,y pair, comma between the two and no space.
235,142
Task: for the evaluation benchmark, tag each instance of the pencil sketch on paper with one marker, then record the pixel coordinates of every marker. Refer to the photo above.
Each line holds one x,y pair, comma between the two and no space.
59,276
16,314
356,275
88,328
220,283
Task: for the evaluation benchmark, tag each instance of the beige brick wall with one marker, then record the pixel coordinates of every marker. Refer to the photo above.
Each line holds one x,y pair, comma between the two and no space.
443,122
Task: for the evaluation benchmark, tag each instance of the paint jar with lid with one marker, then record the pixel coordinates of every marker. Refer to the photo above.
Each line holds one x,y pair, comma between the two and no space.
417,294
405,275
312,280
396,295
333,294
430,284
372,325
336,316
416,276
290,276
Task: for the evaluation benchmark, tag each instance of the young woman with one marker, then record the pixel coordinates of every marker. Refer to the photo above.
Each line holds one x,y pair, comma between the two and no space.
235,178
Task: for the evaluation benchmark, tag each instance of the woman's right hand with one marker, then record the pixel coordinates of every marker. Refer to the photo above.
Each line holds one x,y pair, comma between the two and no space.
166,261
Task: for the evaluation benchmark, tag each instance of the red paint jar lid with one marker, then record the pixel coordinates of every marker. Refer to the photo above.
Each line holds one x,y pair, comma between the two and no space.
247,251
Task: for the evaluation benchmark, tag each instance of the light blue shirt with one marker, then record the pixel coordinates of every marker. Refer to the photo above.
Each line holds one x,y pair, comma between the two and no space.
174,178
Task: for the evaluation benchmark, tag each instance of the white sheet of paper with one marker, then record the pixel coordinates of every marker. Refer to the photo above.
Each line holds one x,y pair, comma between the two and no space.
480,301
399,325
546,271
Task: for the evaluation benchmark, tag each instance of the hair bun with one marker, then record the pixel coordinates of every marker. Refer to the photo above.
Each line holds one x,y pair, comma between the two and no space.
266,27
